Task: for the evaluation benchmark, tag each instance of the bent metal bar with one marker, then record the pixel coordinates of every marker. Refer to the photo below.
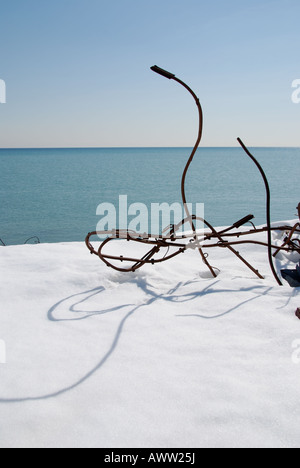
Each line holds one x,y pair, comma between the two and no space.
173,242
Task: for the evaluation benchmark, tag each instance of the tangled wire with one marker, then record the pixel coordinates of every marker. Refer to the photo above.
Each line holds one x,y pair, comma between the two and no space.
172,238
34,238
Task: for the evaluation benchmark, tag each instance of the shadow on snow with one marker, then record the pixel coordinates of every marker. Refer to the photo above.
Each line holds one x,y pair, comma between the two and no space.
171,296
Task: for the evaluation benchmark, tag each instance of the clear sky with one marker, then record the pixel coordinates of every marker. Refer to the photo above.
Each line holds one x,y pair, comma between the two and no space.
77,72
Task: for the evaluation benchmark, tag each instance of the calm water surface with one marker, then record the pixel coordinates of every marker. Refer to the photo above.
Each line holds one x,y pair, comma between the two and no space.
54,193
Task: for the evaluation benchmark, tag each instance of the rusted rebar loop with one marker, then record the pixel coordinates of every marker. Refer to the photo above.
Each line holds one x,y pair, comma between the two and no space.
172,242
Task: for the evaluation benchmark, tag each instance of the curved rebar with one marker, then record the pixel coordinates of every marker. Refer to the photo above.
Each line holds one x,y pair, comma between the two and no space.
171,76
155,245
37,240
268,209
183,194
194,240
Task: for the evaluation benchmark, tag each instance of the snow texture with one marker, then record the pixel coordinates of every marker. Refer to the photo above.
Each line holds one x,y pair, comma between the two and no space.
165,357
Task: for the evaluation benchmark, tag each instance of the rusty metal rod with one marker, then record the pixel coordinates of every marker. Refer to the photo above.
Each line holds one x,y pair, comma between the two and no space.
168,239
264,244
268,209
157,244
170,242
288,240
171,76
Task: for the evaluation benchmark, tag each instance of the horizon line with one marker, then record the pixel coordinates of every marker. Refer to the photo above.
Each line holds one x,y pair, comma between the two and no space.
137,147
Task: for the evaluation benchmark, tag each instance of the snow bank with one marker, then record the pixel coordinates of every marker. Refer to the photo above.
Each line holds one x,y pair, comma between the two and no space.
164,357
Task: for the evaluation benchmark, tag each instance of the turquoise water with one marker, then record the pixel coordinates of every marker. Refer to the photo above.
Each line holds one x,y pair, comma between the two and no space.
54,193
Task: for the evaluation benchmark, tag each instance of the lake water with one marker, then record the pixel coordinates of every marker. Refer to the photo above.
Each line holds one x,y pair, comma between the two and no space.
54,193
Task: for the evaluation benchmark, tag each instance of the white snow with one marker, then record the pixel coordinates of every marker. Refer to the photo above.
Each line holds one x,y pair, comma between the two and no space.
165,357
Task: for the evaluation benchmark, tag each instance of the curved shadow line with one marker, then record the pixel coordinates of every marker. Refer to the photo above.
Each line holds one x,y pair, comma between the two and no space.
95,291
98,366
207,292
289,298
145,287
228,311
86,376
170,297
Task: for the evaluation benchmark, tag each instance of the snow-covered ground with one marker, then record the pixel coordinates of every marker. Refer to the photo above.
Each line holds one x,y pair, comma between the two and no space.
165,357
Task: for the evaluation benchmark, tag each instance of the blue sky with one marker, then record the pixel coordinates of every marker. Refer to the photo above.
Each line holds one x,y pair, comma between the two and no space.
78,72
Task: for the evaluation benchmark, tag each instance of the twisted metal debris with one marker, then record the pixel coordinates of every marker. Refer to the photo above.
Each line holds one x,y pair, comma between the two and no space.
34,238
172,242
